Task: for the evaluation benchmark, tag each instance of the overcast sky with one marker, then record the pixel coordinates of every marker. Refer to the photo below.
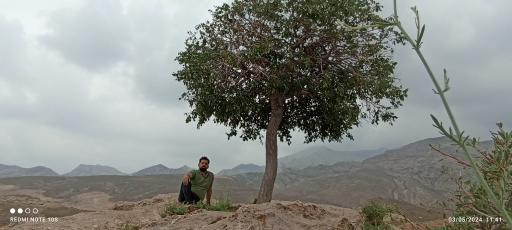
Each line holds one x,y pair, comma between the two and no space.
90,82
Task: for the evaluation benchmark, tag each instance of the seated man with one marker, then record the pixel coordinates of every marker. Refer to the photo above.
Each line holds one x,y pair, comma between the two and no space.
196,184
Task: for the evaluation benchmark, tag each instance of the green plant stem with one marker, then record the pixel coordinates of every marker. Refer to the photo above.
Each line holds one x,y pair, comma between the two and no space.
452,118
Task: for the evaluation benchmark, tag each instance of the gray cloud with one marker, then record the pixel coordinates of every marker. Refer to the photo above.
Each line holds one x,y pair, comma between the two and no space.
144,36
92,84
471,43
95,37
12,42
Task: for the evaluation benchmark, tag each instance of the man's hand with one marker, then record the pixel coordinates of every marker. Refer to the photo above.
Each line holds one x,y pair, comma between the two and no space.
186,179
209,195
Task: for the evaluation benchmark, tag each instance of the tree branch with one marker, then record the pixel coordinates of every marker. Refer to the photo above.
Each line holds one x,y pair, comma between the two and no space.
451,156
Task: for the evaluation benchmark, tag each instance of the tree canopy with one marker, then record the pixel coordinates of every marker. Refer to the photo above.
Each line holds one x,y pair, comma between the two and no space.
329,76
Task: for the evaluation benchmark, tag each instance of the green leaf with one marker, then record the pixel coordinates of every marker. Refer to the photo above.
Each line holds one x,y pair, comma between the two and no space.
288,55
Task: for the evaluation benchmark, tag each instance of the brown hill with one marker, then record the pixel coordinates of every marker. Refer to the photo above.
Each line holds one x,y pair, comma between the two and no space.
414,175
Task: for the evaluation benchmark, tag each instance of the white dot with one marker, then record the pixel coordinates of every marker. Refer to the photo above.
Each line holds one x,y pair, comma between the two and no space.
13,210
20,210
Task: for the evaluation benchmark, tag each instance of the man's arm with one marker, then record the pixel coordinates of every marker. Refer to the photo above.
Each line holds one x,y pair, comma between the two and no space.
187,177
209,194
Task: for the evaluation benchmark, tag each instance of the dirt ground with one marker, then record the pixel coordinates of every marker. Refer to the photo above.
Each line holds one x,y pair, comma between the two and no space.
149,214
95,210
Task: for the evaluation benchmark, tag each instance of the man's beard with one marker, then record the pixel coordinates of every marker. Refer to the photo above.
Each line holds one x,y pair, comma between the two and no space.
202,169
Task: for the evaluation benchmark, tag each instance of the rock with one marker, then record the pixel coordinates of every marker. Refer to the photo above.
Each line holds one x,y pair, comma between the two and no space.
345,224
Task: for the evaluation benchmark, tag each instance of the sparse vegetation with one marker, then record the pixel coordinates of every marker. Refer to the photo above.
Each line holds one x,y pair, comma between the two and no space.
490,196
471,200
458,226
176,209
223,205
128,226
374,214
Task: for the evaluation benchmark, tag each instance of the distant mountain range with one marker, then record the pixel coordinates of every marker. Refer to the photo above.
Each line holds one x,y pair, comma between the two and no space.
321,155
152,170
310,157
16,171
182,170
414,173
161,169
306,162
242,168
87,170
93,170
313,156
411,176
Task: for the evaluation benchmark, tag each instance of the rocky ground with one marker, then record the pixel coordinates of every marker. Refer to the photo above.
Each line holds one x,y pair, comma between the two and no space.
94,210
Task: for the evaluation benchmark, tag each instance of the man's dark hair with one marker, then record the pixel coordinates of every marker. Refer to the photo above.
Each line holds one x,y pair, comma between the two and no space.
204,158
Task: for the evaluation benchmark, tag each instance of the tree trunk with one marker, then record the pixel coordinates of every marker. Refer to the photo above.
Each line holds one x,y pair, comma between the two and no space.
269,177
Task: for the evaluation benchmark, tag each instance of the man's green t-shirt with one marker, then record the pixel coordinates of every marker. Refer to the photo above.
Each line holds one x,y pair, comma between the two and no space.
200,183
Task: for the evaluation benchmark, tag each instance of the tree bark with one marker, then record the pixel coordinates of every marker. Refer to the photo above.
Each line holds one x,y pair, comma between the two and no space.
269,177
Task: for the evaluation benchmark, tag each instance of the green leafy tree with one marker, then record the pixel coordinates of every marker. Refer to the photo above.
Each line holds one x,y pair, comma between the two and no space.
285,65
